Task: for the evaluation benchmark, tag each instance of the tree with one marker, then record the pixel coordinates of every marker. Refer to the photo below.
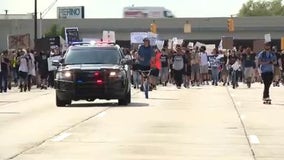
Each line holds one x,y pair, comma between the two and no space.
55,30
262,8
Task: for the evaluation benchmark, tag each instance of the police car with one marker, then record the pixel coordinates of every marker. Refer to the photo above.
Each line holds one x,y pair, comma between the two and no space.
92,71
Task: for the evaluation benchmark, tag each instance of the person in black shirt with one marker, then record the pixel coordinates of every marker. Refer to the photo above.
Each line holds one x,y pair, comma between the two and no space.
5,68
277,68
187,68
248,59
43,68
165,67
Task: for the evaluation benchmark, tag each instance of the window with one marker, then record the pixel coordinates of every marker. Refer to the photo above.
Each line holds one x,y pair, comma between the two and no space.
168,14
92,56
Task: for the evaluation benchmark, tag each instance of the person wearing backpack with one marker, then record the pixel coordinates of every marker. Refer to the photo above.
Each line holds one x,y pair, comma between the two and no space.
23,71
266,60
178,66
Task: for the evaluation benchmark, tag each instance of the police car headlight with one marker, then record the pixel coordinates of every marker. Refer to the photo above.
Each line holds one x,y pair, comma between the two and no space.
65,75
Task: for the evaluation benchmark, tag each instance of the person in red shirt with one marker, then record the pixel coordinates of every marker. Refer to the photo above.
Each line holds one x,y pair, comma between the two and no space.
156,67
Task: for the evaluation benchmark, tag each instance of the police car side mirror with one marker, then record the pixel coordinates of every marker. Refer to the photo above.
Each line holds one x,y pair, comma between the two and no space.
126,61
56,63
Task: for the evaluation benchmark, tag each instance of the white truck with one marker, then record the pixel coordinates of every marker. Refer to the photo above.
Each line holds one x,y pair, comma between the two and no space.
147,12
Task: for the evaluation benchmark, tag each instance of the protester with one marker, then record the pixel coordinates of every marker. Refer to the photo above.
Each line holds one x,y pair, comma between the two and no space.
215,65
15,67
187,68
165,67
249,66
23,71
277,67
204,65
145,54
1,88
178,66
195,67
42,68
31,64
155,68
5,69
266,59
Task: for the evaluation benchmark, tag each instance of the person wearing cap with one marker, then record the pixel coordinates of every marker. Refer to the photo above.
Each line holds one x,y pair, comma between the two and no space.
145,54
266,60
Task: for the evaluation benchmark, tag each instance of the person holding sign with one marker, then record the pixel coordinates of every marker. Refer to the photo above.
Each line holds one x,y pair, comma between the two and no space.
266,60
179,64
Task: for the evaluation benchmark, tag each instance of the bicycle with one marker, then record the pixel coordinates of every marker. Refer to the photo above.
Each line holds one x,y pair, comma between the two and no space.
146,84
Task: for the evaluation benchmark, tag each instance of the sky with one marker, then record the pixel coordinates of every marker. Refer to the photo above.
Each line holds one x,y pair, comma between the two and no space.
114,8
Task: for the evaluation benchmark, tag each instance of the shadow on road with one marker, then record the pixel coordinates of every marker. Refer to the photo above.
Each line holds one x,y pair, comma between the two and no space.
87,105
164,99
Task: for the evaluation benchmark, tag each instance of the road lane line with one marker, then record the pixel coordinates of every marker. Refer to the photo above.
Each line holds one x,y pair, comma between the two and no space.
254,139
101,115
239,104
61,137
242,122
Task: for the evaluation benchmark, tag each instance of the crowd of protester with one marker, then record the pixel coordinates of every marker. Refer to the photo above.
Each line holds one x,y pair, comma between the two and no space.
194,66
25,68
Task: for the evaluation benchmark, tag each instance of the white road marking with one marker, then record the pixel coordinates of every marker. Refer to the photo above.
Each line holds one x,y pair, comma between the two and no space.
61,137
253,139
239,104
101,115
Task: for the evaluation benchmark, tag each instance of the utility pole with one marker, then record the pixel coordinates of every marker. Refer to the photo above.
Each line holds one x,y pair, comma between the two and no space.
35,22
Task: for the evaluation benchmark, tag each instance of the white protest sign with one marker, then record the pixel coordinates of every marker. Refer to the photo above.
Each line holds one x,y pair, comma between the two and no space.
137,37
220,47
190,45
153,38
109,36
210,48
180,41
112,36
160,44
49,63
267,38
170,44
175,42
198,44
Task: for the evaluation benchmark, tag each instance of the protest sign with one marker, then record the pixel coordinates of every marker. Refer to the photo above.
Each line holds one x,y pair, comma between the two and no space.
227,42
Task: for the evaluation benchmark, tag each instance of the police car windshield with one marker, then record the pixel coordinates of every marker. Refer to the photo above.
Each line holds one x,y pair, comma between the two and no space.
92,56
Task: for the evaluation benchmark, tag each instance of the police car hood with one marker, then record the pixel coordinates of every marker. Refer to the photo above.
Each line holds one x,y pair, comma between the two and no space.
90,66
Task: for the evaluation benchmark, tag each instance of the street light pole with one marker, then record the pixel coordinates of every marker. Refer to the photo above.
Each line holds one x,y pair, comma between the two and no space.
35,22
42,14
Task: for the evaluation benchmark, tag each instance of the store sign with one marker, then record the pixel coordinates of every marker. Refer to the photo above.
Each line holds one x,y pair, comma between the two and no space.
71,12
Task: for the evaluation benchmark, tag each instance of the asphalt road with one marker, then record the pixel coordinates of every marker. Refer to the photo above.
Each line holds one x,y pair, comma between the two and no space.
205,123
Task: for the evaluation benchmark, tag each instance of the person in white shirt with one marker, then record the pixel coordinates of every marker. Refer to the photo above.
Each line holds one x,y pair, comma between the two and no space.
23,71
31,64
204,65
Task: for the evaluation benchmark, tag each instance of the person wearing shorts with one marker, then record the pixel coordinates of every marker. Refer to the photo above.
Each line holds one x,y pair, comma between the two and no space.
155,68
195,68
145,54
249,65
